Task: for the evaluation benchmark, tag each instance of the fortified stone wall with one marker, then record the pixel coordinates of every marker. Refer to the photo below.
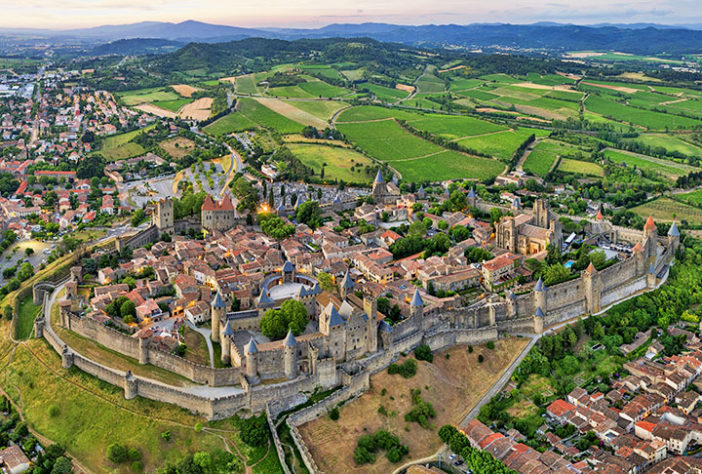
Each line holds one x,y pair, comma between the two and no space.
618,274
622,291
564,294
627,235
270,364
276,441
120,342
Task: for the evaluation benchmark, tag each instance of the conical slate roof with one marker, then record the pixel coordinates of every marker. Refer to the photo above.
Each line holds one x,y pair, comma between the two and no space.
539,312
290,340
416,299
264,299
516,203
251,347
540,285
471,193
335,318
674,231
218,301
347,282
316,289
228,331
379,178
288,267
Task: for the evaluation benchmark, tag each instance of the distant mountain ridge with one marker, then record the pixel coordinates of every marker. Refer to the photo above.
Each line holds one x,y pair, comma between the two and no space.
636,38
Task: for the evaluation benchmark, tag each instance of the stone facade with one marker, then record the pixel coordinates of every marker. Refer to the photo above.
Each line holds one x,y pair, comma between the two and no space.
528,234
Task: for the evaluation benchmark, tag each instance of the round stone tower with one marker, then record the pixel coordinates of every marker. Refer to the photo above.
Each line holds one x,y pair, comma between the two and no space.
250,352
219,307
290,355
130,386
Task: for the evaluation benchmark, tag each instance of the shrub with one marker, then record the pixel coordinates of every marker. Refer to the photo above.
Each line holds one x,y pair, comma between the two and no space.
407,369
470,349
54,411
198,427
137,466
490,345
116,453
334,413
480,358
423,352
368,445
254,430
166,436
134,454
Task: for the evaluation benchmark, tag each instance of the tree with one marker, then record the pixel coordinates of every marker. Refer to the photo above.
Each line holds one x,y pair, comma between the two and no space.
292,316
326,282
254,430
116,453
477,254
417,228
89,265
458,200
128,308
245,193
62,465
138,217
554,274
309,213
204,460
7,312
423,352
29,251
275,227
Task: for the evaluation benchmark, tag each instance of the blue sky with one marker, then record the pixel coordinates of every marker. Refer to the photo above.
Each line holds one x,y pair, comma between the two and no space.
313,13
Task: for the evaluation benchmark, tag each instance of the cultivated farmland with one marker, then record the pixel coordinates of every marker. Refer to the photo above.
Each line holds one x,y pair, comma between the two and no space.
339,163
664,168
580,167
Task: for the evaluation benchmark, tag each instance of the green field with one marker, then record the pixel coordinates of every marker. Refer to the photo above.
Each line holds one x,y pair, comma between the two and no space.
247,84
233,122
172,105
119,147
26,315
663,168
670,143
580,167
385,94
322,109
341,163
93,414
544,154
448,165
694,197
265,117
606,106
416,159
454,127
365,113
317,88
140,96
668,210
501,145
387,141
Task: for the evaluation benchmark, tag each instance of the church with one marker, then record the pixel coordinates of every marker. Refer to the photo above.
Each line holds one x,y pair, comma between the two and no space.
384,193
527,234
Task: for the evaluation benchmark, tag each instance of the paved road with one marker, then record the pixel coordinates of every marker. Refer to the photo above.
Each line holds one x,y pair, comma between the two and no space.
206,334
